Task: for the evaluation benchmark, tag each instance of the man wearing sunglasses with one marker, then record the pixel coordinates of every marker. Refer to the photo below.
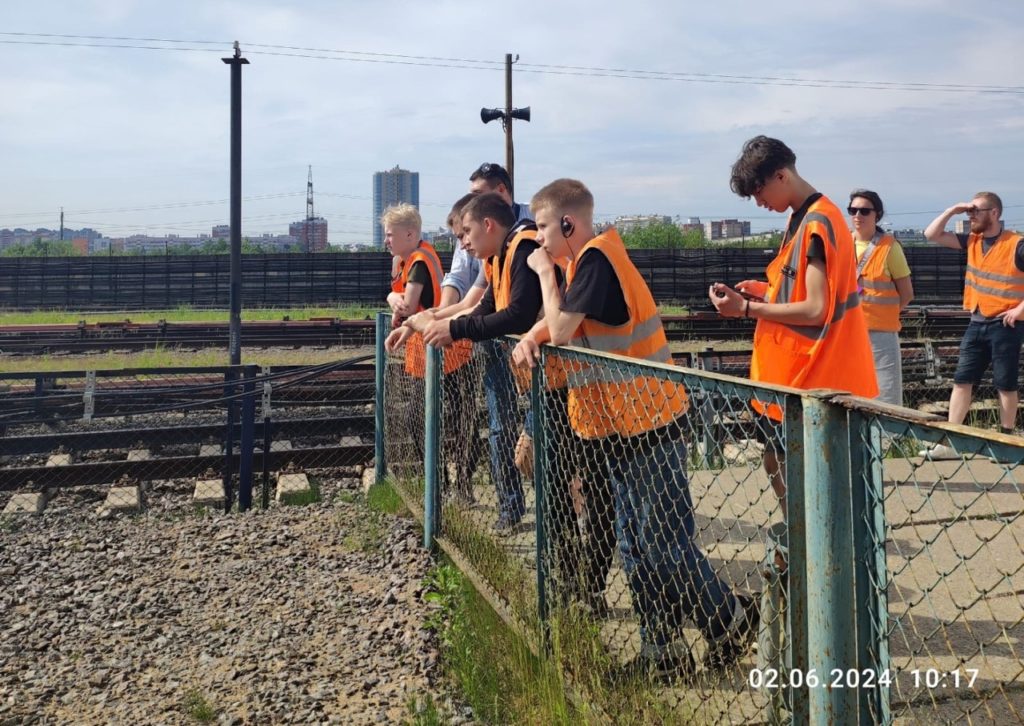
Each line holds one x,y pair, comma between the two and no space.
994,295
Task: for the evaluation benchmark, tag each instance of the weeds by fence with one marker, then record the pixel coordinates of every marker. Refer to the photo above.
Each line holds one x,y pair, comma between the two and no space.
886,586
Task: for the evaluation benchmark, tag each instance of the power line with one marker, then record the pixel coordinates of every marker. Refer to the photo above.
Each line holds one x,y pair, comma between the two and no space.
169,205
488,65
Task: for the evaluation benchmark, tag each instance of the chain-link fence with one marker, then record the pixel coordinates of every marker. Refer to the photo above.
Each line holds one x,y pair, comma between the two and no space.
214,437
695,547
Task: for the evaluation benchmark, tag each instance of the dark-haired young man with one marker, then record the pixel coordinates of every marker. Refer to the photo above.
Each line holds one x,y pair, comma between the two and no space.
811,331
633,419
509,306
994,295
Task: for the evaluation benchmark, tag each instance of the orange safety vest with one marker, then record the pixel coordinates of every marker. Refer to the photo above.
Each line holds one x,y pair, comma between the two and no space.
500,280
993,283
836,354
604,399
455,355
879,296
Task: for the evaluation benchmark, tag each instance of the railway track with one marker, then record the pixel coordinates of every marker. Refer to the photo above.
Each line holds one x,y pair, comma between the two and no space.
29,340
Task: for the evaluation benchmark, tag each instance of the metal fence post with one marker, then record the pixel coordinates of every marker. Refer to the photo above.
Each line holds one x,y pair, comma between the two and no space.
229,438
539,484
831,621
872,573
796,596
431,447
247,443
380,363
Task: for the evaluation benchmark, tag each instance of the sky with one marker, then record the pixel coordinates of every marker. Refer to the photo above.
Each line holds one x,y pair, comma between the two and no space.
136,141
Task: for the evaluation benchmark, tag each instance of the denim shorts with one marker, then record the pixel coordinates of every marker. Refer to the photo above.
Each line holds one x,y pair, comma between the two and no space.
990,342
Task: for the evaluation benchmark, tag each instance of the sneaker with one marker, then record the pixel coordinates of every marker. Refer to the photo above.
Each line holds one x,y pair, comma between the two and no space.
735,642
670,666
939,452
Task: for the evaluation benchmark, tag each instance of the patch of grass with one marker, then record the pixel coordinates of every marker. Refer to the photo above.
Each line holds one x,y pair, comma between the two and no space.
365,534
382,497
501,569
493,668
197,708
424,712
183,314
169,357
10,523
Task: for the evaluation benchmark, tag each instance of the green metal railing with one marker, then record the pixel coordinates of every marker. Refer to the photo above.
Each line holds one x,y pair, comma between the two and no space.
898,598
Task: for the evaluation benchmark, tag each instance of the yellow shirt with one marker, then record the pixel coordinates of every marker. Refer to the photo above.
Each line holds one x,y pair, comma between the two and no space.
895,265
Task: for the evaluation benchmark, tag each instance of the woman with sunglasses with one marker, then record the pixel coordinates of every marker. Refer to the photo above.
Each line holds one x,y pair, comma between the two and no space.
883,279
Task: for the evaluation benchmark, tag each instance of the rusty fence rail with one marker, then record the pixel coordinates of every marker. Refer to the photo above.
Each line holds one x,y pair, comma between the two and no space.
673,579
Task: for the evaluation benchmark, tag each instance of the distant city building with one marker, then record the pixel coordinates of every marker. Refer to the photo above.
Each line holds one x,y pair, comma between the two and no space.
80,245
962,226
628,223
390,188
726,229
692,224
441,236
311,234
221,231
909,236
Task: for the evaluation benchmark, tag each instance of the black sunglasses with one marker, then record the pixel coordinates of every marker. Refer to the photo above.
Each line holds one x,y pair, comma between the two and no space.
863,211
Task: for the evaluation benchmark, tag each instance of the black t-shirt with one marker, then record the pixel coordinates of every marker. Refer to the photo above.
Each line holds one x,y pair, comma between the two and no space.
525,301
595,291
419,273
816,250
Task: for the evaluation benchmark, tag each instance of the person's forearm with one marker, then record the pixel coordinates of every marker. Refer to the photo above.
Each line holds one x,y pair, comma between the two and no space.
449,296
936,231
559,327
905,288
804,312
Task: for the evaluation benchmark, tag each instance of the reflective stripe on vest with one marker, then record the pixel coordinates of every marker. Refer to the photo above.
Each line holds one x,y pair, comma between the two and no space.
458,353
834,355
605,400
879,294
993,284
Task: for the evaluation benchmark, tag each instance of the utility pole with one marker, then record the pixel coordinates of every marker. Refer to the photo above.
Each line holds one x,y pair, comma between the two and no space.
235,295
523,114
62,224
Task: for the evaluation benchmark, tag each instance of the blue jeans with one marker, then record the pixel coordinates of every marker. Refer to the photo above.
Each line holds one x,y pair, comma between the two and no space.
503,415
670,578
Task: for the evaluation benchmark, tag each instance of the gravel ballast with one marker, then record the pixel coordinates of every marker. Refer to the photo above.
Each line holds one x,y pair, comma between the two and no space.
299,614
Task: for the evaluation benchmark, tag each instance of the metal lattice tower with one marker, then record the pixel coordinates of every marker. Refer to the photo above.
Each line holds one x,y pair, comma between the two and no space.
309,210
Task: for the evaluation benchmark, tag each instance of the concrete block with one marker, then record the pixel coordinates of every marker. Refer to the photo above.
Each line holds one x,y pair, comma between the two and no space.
289,485
123,499
209,491
210,450
59,460
283,445
26,503
350,441
139,455
369,478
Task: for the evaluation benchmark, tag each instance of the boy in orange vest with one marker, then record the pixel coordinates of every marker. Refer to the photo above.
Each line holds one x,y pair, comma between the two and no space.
633,418
811,331
994,295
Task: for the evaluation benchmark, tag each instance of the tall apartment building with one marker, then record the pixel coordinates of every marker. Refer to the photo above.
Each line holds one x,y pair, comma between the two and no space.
389,188
311,234
962,226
